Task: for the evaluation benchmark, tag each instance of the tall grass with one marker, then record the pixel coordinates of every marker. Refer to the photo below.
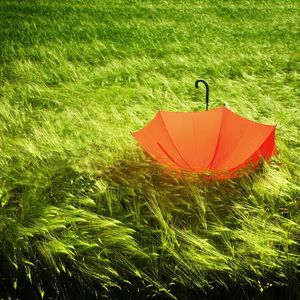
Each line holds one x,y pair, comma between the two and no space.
83,212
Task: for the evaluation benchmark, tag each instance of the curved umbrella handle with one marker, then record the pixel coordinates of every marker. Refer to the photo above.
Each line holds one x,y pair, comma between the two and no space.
207,90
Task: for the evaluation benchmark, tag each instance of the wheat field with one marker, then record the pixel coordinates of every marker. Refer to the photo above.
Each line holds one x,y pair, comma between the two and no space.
84,213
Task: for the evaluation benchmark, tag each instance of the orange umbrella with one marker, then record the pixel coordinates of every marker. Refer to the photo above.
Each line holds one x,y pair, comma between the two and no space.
216,141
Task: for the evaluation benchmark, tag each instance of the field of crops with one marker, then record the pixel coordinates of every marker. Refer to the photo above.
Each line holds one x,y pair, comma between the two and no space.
84,213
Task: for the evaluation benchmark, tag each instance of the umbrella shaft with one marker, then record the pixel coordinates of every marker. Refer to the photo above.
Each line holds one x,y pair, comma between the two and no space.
207,90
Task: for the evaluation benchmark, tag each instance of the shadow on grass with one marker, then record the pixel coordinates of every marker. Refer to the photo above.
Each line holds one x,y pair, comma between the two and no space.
140,183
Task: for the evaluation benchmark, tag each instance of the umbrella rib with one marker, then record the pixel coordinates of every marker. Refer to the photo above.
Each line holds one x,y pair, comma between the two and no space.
253,152
168,155
163,121
195,139
217,143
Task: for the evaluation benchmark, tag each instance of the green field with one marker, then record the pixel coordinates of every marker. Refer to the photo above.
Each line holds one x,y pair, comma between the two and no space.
84,213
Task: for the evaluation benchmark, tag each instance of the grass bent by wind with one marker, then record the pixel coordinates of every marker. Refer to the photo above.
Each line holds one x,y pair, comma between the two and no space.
83,211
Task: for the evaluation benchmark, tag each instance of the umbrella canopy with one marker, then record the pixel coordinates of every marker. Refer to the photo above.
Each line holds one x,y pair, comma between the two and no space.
216,141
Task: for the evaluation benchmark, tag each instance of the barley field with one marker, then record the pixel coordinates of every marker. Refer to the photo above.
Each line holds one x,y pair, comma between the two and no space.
84,212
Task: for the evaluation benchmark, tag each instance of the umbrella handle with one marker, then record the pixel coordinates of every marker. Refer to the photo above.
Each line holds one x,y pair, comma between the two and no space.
207,90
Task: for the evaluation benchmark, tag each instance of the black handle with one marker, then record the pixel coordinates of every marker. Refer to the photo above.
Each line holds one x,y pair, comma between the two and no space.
207,90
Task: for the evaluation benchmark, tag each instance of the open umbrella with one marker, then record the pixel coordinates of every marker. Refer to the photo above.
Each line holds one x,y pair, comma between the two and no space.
216,142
